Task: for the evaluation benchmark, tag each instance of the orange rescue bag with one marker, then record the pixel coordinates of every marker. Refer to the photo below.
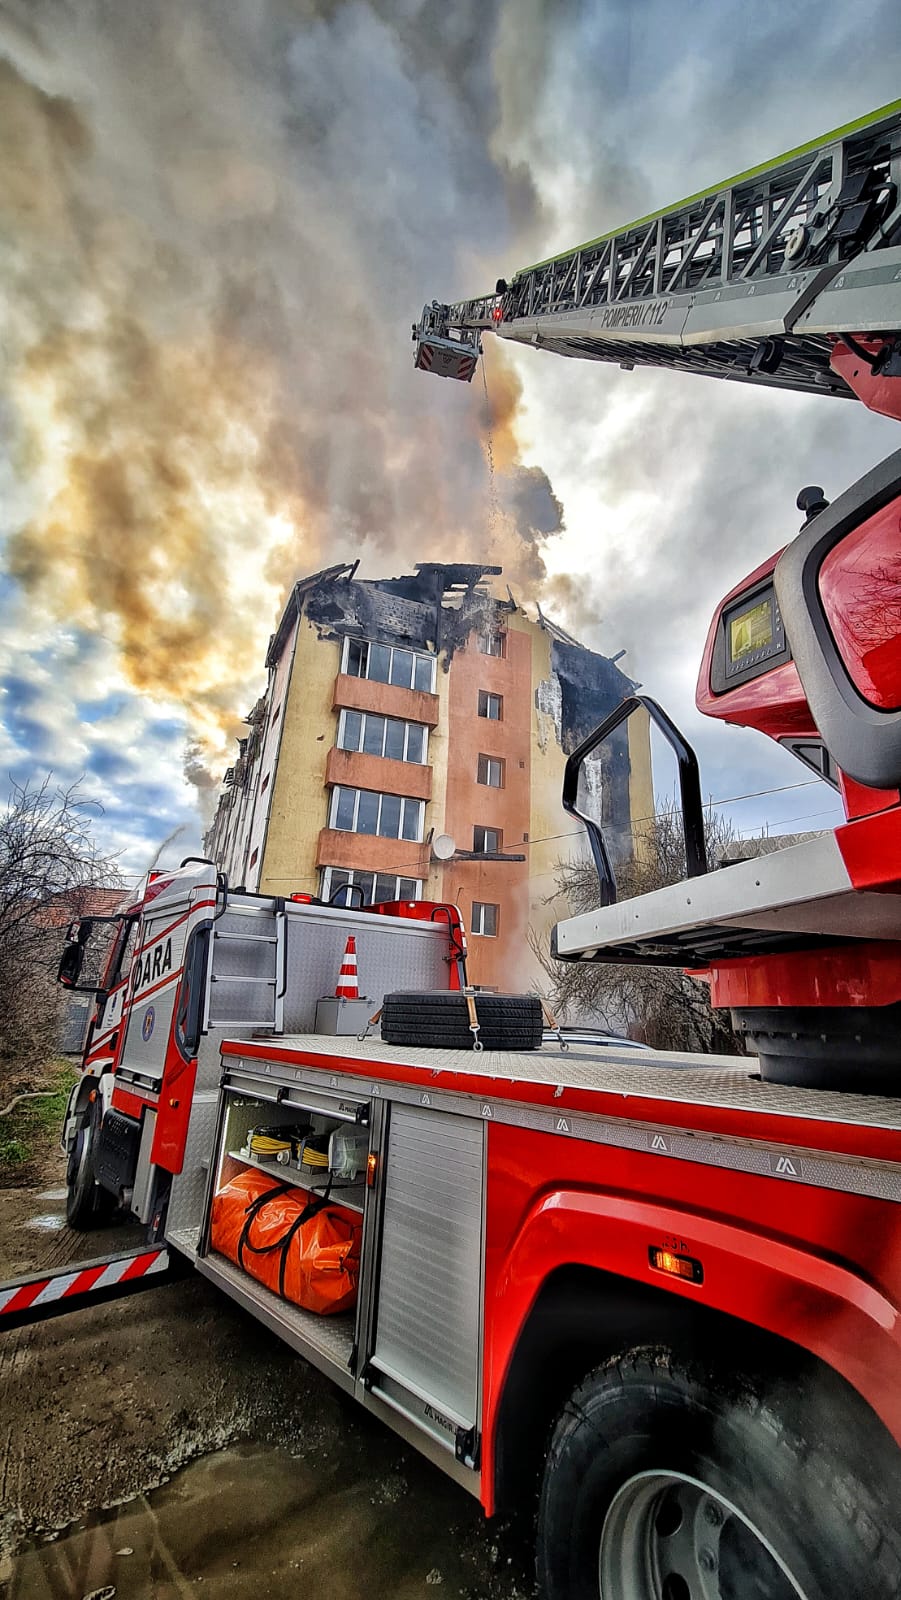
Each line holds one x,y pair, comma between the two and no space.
302,1247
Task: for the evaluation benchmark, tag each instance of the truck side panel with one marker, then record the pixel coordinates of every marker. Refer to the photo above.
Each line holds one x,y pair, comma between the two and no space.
819,1269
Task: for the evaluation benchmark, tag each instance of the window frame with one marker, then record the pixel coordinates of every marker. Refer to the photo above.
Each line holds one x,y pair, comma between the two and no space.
351,874
383,717
494,643
405,801
481,906
365,646
482,850
497,761
487,696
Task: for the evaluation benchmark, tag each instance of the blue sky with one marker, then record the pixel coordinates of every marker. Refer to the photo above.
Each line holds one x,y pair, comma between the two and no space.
216,225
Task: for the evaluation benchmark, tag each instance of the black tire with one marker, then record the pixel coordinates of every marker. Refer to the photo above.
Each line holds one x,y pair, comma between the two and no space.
441,1021
799,1473
87,1204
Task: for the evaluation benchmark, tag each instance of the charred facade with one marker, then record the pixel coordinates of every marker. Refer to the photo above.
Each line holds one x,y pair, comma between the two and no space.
410,744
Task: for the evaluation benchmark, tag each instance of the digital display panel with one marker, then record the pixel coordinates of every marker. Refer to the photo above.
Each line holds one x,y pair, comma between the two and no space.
751,630
750,638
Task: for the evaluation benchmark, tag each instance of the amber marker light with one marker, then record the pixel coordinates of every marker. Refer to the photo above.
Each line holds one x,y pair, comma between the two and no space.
686,1267
372,1162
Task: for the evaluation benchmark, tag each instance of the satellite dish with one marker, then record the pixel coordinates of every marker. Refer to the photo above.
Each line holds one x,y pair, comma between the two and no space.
443,847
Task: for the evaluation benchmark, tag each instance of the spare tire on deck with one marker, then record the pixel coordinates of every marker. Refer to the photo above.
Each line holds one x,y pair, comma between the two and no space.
440,1020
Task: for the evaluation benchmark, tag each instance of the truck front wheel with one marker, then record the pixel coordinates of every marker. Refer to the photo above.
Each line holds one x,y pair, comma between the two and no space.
87,1204
666,1483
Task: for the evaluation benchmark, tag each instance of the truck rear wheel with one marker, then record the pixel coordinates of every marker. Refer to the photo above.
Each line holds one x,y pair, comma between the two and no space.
661,1484
87,1204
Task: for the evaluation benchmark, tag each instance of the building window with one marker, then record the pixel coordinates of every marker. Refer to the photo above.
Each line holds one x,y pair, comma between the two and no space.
383,663
387,816
491,771
484,919
486,841
375,888
491,706
383,736
493,644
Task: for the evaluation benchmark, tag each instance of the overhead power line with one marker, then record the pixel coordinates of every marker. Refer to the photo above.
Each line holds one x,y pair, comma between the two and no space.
573,833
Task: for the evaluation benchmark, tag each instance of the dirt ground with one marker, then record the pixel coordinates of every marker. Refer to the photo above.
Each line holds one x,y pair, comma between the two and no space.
105,1406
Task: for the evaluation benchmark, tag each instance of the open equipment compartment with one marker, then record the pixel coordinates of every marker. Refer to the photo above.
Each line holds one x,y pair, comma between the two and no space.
338,1140
250,1099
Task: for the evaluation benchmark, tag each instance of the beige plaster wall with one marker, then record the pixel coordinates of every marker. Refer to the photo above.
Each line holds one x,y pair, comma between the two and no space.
300,798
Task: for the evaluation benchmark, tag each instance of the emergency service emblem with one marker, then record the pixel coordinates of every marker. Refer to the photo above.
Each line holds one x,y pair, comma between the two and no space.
147,1024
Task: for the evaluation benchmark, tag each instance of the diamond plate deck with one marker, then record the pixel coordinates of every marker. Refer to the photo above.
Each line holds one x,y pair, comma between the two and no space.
327,1342
726,1082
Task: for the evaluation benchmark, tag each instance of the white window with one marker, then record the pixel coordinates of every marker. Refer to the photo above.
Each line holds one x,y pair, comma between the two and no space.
355,888
493,644
388,816
491,771
486,841
484,919
491,706
383,736
385,663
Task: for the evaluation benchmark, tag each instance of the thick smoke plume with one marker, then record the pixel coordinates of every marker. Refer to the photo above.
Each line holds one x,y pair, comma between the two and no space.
216,228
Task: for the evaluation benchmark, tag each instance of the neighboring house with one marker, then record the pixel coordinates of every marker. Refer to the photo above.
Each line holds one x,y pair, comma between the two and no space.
411,743
83,901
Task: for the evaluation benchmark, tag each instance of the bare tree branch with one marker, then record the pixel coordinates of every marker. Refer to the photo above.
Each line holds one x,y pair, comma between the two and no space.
658,1005
49,866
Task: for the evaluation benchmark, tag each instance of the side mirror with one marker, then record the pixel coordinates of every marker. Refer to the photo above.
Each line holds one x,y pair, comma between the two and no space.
71,962
692,812
839,589
72,958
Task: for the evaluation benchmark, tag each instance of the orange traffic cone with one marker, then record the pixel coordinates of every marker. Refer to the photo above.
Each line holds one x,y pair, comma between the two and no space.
348,987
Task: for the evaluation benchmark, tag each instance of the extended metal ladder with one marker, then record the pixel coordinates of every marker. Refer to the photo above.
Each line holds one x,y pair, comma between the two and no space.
746,280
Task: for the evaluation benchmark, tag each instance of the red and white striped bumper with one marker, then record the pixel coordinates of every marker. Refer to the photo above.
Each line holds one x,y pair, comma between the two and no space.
24,1298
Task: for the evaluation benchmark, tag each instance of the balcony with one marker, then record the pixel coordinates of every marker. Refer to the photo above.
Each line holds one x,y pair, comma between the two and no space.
386,699
372,854
360,771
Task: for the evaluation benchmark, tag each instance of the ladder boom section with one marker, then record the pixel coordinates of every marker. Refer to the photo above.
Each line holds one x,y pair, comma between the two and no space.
752,280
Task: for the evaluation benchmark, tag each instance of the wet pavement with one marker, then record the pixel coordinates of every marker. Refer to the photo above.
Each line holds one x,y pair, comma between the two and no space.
255,1522
34,1235
199,1455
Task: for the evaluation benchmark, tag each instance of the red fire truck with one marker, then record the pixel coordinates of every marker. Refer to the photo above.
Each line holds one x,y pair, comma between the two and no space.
653,1299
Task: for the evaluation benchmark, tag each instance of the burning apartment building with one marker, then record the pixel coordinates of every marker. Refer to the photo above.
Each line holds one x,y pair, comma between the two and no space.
410,744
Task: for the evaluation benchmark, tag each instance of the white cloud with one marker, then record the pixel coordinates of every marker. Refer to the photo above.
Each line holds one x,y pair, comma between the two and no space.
233,180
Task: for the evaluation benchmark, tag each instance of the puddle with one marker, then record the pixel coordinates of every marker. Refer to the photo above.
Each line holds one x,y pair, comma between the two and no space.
53,1194
50,1222
254,1523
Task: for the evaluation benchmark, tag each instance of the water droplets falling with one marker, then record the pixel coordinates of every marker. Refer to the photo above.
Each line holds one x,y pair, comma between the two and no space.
494,505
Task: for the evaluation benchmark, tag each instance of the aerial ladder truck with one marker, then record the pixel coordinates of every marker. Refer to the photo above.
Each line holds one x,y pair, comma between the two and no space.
652,1299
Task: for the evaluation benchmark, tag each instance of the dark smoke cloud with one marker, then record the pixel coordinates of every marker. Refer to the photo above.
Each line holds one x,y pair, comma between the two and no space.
216,223
220,222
